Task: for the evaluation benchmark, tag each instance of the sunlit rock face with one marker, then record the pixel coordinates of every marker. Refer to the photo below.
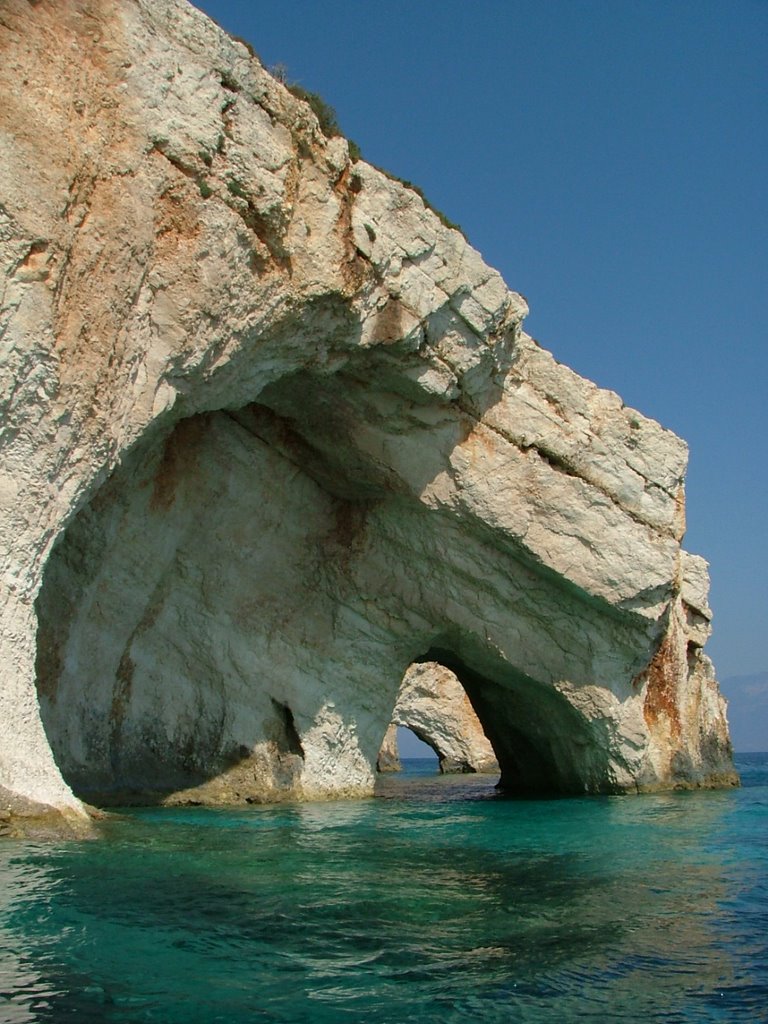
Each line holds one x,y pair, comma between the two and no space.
433,704
273,433
389,752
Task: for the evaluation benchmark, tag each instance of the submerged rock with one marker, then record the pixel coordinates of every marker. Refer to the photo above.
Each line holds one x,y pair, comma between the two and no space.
272,433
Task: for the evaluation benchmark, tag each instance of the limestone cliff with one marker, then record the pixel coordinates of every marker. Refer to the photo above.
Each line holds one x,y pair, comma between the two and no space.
272,433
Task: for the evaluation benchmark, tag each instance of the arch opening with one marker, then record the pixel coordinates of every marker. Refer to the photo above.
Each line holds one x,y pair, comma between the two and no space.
412,746
544,747
433,706
402,745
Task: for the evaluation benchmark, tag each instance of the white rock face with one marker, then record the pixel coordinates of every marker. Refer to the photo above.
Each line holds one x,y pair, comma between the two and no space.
433,704
272,433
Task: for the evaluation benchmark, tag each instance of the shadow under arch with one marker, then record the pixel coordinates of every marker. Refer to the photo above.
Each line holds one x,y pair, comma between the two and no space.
544,747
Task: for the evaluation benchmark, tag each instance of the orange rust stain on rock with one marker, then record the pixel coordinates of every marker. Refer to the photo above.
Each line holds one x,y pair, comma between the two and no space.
121,695
355,269
176,219
680,515
178,460
479,443
389,322
347,535
661,678
63,60
349,522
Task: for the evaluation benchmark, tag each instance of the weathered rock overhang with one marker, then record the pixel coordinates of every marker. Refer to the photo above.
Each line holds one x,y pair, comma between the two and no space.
272,433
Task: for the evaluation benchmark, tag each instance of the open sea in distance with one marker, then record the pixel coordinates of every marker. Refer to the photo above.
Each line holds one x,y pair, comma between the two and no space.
436,902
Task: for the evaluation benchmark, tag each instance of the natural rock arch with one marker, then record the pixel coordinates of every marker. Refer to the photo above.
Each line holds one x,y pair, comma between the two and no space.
433,704
215,625
215,319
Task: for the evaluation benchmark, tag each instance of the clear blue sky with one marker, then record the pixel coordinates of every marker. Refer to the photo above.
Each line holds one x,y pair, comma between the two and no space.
608,157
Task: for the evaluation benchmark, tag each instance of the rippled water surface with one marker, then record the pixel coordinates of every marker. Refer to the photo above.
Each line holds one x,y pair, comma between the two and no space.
434,903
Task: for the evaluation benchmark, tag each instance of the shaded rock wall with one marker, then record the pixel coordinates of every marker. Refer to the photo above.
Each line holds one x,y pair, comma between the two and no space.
271,433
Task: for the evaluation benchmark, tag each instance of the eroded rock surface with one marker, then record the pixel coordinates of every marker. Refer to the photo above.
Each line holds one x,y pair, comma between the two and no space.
272,433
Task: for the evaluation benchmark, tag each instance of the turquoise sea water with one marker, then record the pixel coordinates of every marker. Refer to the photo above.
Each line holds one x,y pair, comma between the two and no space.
437,902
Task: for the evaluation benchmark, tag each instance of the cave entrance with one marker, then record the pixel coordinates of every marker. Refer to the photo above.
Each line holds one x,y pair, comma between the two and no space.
404,750
543,745
228,619
483,716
